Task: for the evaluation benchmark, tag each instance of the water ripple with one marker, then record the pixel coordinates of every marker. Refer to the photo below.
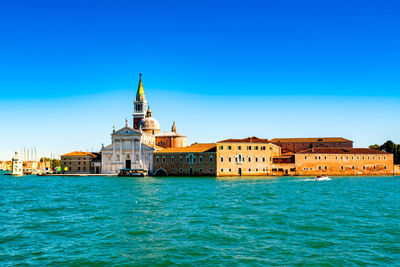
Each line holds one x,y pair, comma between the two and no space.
92,221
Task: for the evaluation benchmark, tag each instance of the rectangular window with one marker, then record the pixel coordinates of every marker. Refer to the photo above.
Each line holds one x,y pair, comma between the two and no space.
211,158
164,159
384,167
84,168
305,157
263,159
384,158
157,159
319,168
326,167
201,159
256,170
248,147
229,147
374,167
256,148
230,159
229,170
316,157
352,167
264,170
222,170
221,147
249,159
79,168
200,169
181,159
222,159
263,148
249,170
172,159
363,167
180,170
172,170
239,147
256,158
341,167
211,170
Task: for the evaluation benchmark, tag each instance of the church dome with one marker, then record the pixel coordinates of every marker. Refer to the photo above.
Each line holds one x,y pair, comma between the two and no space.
149,124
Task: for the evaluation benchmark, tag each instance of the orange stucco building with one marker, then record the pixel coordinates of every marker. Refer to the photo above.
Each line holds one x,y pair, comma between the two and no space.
343,161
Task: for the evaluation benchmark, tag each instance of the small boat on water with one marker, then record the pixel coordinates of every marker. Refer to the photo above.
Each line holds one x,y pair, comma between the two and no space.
132,173
322,178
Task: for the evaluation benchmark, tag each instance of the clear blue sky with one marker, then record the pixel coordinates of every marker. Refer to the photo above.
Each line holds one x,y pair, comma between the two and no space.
69,70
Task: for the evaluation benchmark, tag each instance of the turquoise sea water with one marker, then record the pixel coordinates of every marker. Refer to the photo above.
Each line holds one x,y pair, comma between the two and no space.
80,221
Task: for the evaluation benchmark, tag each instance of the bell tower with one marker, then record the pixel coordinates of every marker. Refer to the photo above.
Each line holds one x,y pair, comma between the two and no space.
140,105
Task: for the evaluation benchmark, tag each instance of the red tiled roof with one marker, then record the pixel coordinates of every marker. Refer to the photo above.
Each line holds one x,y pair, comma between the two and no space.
312,139
252,139
196,148
321,150
79,153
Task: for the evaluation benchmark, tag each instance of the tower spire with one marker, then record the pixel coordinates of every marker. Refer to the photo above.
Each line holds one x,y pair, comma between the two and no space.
140,90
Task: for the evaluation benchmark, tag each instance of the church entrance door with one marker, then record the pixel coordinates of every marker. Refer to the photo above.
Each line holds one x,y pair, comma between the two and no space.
128,164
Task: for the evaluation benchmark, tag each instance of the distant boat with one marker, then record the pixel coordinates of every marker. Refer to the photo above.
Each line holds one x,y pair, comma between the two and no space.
322,178
132,173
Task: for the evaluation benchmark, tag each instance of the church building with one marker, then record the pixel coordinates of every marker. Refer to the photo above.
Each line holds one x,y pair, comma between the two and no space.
133,147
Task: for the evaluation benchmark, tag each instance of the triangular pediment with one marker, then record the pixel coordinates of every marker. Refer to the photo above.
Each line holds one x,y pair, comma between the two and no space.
128,131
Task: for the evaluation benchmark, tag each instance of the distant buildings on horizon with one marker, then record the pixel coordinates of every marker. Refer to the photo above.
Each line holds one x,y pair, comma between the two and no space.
142,145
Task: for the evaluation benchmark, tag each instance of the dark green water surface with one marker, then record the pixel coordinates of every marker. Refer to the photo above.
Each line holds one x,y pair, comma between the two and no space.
80,221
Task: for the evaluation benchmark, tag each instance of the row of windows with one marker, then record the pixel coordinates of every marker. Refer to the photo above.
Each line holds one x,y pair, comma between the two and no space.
249,170
200,170
347,157
248,147
341,167
281,169
240,158
189,159
79,163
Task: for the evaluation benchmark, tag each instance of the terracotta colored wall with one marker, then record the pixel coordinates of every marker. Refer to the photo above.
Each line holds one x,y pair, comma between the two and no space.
397,169
259,167
171,141
172,167
309,164
296,146
280,169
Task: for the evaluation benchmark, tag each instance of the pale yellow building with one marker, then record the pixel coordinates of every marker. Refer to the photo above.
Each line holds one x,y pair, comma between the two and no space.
247,156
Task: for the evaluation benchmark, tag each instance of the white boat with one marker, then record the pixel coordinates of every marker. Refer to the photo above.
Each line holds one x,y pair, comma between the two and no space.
322,178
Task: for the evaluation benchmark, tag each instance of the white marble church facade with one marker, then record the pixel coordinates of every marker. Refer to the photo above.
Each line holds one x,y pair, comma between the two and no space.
129,149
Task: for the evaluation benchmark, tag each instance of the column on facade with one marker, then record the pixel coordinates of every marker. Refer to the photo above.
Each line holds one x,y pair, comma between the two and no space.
140,150
133,151
113,145
120,150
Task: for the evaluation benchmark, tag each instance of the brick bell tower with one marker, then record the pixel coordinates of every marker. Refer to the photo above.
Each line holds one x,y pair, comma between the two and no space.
140,105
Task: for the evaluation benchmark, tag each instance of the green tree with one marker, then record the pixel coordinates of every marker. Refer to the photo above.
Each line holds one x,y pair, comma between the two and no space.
55,163
375,146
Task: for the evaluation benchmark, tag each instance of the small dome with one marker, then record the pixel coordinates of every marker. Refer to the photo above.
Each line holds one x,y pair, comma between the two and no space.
149,123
